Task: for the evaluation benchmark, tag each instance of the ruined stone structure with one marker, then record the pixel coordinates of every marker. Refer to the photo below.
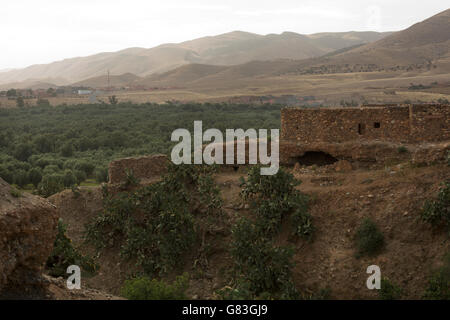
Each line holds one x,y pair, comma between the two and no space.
143,168
369,133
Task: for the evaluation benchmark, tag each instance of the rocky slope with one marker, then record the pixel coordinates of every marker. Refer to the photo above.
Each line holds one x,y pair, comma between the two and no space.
27,232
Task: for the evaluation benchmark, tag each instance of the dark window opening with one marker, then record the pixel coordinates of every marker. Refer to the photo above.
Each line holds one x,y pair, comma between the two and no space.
315,157
361,128
376,125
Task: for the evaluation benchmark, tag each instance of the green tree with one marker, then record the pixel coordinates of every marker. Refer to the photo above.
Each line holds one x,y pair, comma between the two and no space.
50,185
113,100
21,178
35,176
19,102
23,151
11,93
67,150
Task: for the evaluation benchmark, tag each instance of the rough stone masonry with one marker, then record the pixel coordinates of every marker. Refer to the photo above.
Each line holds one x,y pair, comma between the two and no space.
358,133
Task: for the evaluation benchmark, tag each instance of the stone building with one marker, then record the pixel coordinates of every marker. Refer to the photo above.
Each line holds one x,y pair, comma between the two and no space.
372,133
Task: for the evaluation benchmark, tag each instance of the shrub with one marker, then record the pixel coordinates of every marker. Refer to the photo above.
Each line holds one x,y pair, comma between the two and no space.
80,176
402,149
439,283
69,179
35,176
67,150
153,224
21,178
143,288
64,255
262,267
437,212
15,193
273,197
389,291
101,175
50,185
369,239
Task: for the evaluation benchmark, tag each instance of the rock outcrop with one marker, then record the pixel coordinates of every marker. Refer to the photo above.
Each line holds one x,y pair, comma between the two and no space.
27,233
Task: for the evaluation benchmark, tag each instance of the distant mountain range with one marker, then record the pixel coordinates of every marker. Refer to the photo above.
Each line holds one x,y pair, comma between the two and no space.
227,49
237,56
423,47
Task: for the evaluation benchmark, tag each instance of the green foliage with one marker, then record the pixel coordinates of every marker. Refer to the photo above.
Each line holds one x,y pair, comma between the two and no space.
15,193
154,224
261,266
437,211
21,178
131,179
274,196
98,133
389,290
369,240
64,255
439,282
263,269
101,174
142,288
67,150
23,151
51,184
19,102
113,100
35,176
402,149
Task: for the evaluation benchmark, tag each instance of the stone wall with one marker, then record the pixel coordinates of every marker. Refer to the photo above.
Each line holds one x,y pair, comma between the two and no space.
143,168
369,132
401,124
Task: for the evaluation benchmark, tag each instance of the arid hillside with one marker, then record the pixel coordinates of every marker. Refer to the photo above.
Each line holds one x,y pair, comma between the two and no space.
341,196
226,49
422,48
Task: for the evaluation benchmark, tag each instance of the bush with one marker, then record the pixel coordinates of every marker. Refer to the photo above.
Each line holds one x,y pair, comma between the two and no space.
369,239
69,179
50,185
402,149
273,197
101,175
154,224
439,283
389,291
437,212
21,178
35,176
80,176
67,150
143,288
261,267
64,255
15,193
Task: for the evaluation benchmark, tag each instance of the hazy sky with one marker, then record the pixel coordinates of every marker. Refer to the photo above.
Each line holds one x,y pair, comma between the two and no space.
47,30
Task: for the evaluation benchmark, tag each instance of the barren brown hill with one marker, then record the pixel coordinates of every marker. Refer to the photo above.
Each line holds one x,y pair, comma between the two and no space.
102,81
424,47
226,49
